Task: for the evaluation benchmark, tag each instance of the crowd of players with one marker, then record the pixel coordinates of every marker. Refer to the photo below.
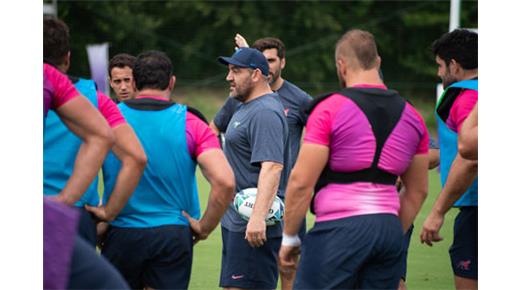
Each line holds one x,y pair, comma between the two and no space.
362,169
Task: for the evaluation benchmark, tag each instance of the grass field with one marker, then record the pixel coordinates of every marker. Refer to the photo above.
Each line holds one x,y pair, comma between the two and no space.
428,268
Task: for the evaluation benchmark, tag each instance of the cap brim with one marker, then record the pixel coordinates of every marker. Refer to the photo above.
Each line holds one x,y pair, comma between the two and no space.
228,60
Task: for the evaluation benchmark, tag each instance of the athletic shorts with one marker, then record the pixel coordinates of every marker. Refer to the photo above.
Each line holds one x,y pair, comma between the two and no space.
247,267
87,227
464,250
157,257
361,252
88,270
406,245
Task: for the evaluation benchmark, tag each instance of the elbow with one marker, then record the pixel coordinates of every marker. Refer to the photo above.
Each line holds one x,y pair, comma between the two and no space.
467,152
226,184
141,160
105,137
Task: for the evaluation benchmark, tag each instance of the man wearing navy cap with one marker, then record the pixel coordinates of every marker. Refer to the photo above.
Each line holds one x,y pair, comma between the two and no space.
257,149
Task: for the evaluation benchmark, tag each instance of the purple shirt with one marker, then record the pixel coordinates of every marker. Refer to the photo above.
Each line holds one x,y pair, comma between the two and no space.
59,233
57,89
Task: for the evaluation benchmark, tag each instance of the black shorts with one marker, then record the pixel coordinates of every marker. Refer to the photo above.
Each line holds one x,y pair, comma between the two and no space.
246,267
361,252
464,250
158,257
87,227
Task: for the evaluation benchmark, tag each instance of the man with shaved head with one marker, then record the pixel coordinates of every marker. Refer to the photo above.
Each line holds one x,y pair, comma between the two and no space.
358,141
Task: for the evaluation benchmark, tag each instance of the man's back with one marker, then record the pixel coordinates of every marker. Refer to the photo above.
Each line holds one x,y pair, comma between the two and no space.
167,186
339,123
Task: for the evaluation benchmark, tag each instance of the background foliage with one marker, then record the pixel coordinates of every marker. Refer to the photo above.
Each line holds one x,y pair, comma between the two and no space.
194,33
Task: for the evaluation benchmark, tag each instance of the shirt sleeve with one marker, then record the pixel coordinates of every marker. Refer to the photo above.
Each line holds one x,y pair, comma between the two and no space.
199,136
62,89
225,113
109,110
461,109
267,136
319,124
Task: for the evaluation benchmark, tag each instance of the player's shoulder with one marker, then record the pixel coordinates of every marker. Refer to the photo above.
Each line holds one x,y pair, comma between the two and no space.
194,113
296,92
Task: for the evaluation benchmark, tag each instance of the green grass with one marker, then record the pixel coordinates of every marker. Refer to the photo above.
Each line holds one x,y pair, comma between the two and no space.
428,268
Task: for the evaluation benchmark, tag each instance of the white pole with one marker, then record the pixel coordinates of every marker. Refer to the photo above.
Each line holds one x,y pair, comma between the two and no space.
454,15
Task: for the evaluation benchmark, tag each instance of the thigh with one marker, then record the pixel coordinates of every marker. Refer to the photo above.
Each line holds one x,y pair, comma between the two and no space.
406,245
127,250
89,270
464,250
246,267
171,258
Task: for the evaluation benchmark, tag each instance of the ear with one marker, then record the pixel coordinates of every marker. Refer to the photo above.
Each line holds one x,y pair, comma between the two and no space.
282,63
66,61
454,67
134,86
171,85
341,66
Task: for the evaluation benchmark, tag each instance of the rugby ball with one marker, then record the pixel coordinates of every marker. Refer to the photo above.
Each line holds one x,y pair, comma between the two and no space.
245,201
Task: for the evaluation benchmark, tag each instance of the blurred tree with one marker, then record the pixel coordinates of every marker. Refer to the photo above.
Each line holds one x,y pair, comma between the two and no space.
195,33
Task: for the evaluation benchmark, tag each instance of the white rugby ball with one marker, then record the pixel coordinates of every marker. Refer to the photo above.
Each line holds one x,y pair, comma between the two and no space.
245,201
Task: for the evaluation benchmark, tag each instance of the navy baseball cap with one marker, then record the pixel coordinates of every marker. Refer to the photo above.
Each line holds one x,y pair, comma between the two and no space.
247,57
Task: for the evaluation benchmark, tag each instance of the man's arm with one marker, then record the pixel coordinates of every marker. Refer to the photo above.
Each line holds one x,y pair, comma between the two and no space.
89,125
219,174
311,161
415,181
129,151
460,178
214,128
468,136
268,182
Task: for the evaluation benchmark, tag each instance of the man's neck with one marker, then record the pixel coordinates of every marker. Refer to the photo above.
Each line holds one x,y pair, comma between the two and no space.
469,74
276,85
154,92
369,77
258,92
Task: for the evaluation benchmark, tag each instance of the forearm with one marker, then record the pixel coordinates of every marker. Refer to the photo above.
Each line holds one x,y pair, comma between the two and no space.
86,167
461,176
128,149
218,202
411,203
297,201
268,182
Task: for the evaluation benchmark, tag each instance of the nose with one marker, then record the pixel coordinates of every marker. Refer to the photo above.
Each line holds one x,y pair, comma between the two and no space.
229,76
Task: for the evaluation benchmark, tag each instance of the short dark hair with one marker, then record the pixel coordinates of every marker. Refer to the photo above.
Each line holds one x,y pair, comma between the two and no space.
152,70
268,43
460,45
56,43
121,60
361,45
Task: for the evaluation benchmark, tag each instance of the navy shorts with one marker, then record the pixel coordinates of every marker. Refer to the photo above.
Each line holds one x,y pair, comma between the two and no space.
87,227
89,270
362,252
406,245
464,250
246,267
157,257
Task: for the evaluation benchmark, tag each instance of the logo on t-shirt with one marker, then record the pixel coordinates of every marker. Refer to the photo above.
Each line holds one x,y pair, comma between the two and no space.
286,111
236,124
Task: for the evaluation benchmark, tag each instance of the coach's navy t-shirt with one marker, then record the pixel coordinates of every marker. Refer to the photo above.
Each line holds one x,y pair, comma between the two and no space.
256,133
294,101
